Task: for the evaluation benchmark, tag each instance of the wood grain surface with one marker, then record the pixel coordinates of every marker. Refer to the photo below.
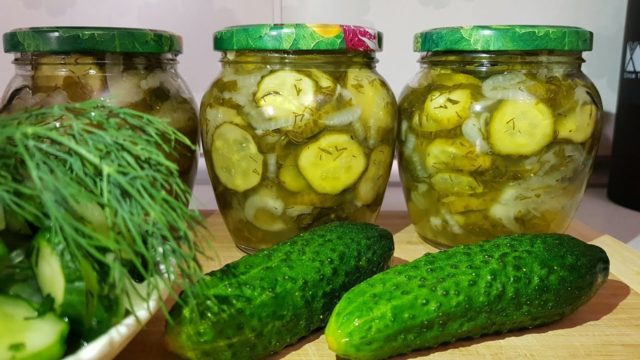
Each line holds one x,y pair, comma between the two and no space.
607,327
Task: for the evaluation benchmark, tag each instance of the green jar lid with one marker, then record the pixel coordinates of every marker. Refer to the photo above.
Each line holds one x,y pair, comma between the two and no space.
317,37
504,38
74,39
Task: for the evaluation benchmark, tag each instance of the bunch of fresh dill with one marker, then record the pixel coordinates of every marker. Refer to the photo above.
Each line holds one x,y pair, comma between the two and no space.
98,177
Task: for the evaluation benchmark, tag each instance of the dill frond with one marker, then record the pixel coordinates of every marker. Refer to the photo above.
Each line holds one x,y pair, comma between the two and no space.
98,177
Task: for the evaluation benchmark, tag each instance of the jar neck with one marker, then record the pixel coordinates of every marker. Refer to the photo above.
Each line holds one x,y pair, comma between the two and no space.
304,58
30,60
488,60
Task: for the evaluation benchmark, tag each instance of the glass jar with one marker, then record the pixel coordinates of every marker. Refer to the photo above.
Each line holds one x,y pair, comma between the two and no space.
298,129
498,131
133,68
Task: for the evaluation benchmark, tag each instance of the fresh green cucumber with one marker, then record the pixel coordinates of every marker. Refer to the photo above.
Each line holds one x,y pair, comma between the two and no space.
259,304
27,335
73,284
511,282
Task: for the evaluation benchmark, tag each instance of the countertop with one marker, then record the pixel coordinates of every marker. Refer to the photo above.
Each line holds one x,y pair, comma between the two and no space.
608,326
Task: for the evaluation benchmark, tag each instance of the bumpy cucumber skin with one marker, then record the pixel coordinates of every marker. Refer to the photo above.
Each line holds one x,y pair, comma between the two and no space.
259,304
511,282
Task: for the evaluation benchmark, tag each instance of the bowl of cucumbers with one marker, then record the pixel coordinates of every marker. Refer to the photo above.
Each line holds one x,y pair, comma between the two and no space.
93,227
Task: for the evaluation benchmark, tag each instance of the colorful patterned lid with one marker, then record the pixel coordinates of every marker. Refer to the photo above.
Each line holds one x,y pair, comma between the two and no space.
77,39
317,37
504,38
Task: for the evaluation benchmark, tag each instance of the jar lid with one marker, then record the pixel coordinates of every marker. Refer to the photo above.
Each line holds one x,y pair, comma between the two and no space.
504,38
77,39
317,37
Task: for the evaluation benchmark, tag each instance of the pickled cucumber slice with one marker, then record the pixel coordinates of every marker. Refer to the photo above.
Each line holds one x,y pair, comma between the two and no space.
577,125
327,88
374,180
371,94
264,209
332,163
520,127
287,97
237,86
78,75
454,154
455,183
443,110
290,176
454,79
217,115
236,159
459,204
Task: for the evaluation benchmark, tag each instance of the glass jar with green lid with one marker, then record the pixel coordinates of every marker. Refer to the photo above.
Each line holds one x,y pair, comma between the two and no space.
498,131
298,129
133,68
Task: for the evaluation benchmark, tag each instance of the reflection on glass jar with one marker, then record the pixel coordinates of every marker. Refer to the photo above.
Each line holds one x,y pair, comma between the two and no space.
498,131
132,68
298,129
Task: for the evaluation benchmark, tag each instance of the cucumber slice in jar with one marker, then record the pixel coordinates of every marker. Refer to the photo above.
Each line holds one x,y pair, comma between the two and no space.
459,204
443,110
283,94
520,127
327,88
577,125
287,99
27,335
236,159
332,163
374,180
453,79
371,95
78,75
454,154
455,183
215,116
290,176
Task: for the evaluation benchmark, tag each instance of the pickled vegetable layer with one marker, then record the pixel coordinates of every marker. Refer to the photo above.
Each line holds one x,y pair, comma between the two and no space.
296,142
484,153
146,83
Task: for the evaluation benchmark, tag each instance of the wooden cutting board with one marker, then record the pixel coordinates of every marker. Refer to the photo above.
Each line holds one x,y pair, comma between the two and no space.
608,327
